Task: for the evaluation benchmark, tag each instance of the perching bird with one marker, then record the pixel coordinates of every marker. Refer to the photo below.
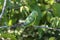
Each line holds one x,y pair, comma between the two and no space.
34,17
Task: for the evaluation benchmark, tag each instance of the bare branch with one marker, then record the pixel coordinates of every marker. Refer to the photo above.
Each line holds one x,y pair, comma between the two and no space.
42,26
3,9
47,27
4,27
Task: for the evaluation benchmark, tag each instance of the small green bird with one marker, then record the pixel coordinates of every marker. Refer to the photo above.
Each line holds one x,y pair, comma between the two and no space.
34,17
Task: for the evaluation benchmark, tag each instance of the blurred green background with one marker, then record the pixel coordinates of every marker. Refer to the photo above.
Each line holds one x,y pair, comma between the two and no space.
33,12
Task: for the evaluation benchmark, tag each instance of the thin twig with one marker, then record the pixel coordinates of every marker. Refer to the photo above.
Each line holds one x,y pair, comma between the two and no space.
3,9
4,27
47,27
42,26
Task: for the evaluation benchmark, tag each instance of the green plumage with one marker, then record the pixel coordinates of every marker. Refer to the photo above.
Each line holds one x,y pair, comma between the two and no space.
34,17
31,18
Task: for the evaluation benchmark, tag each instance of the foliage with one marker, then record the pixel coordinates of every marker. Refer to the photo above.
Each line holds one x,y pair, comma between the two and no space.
34,13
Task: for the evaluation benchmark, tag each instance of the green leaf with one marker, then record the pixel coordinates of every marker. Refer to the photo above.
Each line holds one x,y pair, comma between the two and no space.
52,38
56,9
10,22
6,35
